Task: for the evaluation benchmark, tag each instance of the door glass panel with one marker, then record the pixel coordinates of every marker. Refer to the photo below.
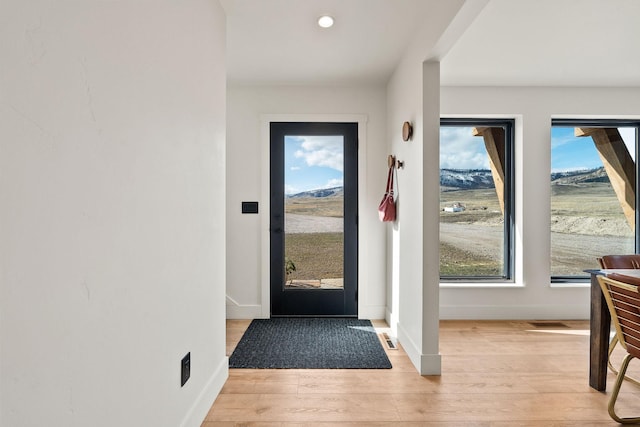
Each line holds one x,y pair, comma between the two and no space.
314,212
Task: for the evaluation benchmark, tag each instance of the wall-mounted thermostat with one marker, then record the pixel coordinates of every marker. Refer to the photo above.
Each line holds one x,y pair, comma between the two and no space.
249,207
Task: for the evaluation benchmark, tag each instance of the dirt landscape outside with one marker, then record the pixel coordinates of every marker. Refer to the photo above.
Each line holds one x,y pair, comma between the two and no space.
471,239
586,222
314,241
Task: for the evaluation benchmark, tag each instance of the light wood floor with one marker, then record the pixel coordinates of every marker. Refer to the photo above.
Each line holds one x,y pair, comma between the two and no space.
494,373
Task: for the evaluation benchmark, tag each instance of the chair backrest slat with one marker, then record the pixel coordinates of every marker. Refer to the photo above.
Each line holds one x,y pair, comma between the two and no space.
623,300
633,349
631,325
620,261
625,303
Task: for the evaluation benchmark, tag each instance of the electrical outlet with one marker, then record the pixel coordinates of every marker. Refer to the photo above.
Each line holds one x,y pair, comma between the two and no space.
185,369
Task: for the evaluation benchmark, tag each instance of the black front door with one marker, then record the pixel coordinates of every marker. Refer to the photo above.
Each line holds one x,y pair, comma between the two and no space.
314,219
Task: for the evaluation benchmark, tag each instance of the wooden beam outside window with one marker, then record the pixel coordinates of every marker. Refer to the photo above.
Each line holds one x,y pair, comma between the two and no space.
619,166
495,145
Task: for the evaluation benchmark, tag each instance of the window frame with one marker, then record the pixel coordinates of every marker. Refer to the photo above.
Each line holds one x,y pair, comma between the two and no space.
509,255
603,123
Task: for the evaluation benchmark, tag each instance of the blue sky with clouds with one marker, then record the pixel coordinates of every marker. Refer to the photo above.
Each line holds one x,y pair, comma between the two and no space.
313,162
569,152
459,149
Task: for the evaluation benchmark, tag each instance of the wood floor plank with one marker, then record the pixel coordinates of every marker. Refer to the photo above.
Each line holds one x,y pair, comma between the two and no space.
303,408
514,407
494,374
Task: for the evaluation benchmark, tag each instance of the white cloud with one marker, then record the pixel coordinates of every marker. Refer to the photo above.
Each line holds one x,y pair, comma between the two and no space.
295,168
289,189
334,183
459,149
322,151
464,160
629,137
559,139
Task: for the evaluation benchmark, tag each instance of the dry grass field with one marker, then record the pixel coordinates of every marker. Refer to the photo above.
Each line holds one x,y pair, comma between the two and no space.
480,206
317,255
454,260
595,199
459,255
315,206
586,222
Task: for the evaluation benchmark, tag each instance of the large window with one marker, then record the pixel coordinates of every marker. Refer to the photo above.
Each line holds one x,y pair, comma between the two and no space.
476,200
593,194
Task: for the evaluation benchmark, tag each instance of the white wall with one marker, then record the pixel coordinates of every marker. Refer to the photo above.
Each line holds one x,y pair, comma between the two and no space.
412,294
112,257
249,109
533,108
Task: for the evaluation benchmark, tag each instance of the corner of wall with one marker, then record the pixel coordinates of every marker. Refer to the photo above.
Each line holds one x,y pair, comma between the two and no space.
205,399
242,311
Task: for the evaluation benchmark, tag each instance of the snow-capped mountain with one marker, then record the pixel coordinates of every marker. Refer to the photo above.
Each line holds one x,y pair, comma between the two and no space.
323,192
470,179
580,176
466,178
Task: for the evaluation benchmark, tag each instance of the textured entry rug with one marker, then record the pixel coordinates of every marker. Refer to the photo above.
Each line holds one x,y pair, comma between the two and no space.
310,343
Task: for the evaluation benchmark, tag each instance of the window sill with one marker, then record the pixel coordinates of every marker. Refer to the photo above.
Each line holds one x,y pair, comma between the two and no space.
479,285
585,284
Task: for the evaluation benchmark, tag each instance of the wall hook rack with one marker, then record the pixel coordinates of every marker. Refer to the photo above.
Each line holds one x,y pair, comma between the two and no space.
393,162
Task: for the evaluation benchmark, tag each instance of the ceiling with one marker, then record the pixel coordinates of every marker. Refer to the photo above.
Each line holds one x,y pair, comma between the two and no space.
549,43
509,42
279,41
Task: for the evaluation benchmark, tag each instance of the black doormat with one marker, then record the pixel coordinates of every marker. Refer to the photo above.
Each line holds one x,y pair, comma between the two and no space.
310,343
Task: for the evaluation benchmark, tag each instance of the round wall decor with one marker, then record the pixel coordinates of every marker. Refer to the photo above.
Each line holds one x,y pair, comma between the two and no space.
407,131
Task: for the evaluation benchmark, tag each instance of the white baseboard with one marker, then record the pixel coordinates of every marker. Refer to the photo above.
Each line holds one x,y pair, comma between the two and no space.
515,312
242,311
202,405
254,311
392,321
430,364
409,347
425,364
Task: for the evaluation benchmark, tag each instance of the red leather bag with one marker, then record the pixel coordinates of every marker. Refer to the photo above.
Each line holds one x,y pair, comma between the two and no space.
387,207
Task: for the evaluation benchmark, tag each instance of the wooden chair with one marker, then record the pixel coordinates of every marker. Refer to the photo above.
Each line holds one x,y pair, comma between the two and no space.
620,261
623,300
611,262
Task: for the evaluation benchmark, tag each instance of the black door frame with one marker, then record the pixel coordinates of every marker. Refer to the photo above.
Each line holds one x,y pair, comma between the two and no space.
311,302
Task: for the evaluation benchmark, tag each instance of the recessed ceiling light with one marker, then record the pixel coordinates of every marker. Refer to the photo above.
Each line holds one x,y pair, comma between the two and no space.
325,21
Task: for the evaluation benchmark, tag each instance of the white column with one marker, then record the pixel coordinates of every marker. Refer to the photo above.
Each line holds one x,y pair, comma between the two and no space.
430,363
